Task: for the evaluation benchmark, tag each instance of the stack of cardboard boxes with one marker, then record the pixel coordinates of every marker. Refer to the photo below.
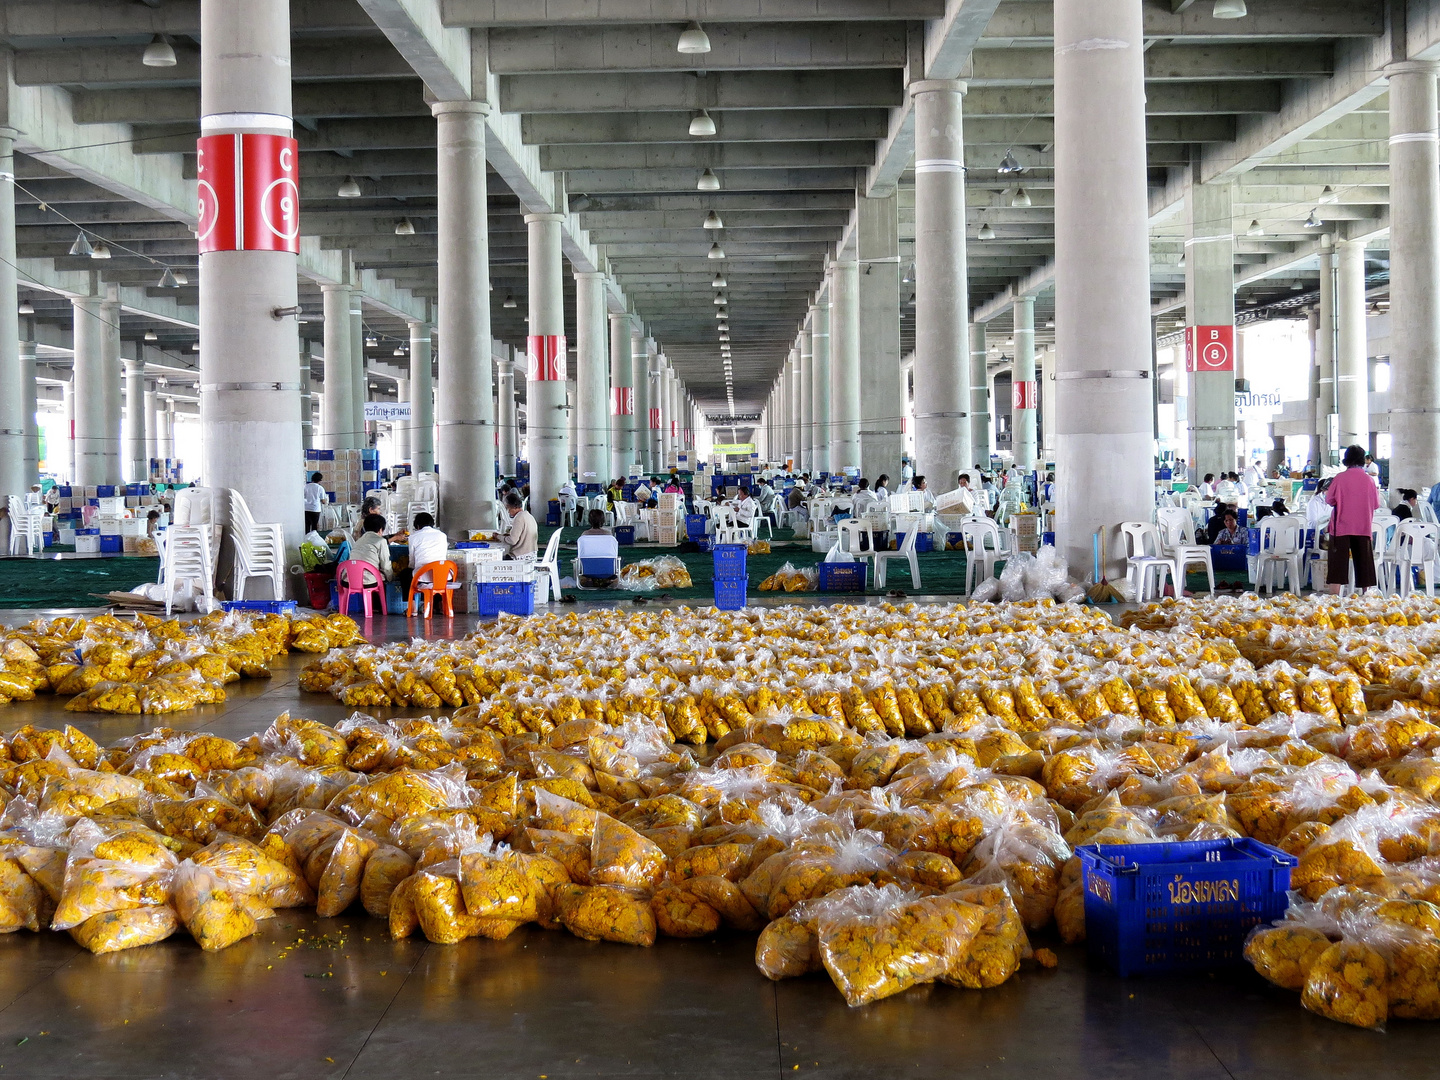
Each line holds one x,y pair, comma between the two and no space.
346,475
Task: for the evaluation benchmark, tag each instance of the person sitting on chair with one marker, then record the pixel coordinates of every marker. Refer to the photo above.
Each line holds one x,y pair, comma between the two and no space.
597,543
427,543
524,533
1232,532
373,548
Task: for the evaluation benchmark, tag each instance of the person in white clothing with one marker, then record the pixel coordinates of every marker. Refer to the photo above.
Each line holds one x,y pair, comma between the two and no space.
1254,476
427,543
1372,469
907,474
882,489
865,500
924,489
745,507
1207,486
315,499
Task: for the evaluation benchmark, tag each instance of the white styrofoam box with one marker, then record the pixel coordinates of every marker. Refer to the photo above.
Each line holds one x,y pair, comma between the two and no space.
112,506
134,527
496,571
108,526
67,536
667,537
65,504
87,545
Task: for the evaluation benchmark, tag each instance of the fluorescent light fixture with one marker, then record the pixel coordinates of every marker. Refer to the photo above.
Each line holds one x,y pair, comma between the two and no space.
708,180
405,227
702,124
349,189
158,53
693,40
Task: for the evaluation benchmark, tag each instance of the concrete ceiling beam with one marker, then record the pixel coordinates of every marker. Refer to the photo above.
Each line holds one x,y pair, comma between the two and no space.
682,180
815,155
1161,99
626,92
760,125
119,66
80,19
393,97
1176,63
507,13
766,204
1032,22
734,220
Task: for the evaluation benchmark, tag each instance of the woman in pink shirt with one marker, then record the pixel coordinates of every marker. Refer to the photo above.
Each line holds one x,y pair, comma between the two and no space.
1355,499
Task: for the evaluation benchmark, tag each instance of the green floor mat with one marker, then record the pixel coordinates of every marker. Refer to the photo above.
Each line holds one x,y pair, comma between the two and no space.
72,582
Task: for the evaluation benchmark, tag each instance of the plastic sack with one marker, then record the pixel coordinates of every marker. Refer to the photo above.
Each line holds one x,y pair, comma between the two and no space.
835,555
998,946
112,931
216,916
1012,578
679,913
606,913
386,868
621,856
494,884
131,870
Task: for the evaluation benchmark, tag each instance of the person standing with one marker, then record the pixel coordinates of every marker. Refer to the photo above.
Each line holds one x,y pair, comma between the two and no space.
315,499
1355,499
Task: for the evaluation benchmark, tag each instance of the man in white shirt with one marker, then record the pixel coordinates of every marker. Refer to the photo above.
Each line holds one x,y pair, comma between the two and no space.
427,543
745,507
865,500
315,499
907,474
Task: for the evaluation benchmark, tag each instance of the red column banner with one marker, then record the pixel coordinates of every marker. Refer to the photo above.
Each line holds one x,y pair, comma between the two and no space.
1210,348
654,419
1025,394
547,357
674,428
249,193
623,402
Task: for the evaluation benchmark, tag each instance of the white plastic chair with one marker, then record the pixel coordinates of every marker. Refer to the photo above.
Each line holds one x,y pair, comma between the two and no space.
905,552
1418,545
980,537
728,529
590,550
550,564
1280,549
1146,564
188,558
25,525
259,549
1384,533
857,541
1177,542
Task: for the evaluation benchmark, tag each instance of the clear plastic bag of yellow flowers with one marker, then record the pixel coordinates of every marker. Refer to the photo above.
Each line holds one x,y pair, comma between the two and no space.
104,873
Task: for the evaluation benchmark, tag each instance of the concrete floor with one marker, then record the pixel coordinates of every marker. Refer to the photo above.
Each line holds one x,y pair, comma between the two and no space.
542,1005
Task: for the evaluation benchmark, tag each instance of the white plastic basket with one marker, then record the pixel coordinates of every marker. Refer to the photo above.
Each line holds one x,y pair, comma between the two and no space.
492,571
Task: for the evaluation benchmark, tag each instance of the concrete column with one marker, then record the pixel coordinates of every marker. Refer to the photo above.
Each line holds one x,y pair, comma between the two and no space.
1325,356
465,412
844,366
167,428
821,382
622,397
67,456
506,416
14,425
422,398
337,431
572,423
548,424
643,348
980,417
136,467
656,378
1414,275
673,421
1317,441
360,384
942,307
400,430
113,367
249,393
32,424
307,405
88,425
1352,362
805,370
1024,391
1104,426
882,395
1045,378
1210,302
152,427
592,380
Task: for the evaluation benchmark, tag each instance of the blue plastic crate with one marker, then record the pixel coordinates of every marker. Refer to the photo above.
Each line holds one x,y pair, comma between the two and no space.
924,542
269,607
730,592
466,545
624,534
506,598
1184,906
842,577
552,513
704,544
105,491
1229,556
695,525
112,545
66,491
729,560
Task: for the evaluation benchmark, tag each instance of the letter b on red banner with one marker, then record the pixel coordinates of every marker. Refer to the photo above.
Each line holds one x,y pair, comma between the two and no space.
547,357
249,193
1210,348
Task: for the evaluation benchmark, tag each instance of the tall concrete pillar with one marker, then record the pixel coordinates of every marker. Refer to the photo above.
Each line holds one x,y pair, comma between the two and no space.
1024,390
672,428
656,379
167,429
465,412
506,415
1210,308
805,371
113,368
307,405
1414,275
821,381
32,423
422,398
592,380
249,392
1317,440
548,424
572,423
622,397
1353,359
152,426
942,306
136,467
400,429
360,381
88,425
980,418
336,427
67,453
642,349
1326,355
844,366
1102,288
14,426
1045,378
882,397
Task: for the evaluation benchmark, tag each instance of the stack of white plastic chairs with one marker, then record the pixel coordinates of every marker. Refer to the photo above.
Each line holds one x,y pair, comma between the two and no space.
259,549
426,499
25,525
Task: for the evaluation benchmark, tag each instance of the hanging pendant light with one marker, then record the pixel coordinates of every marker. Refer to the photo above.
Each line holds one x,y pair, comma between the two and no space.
986,232
181,277
716,252
693,41
400,350
372,342
195,347
712,221
722,314
1329,195
701,124
1181,263
100,251
708,180
720,300
1009,166
1021,199
167,280
1313,221
719,282
405,227
81,247
158,53
1256,229
151,335
509,300
26,308
1297,285
1229,9
350,189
